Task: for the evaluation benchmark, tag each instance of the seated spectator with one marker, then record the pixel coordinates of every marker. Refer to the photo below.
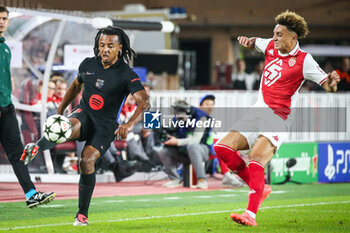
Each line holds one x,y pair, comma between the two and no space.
61,88
113,160
189,145
51,104
343,72
206,104
140,141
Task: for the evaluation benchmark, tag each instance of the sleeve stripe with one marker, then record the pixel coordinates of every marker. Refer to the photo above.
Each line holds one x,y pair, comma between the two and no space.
135,79
323,80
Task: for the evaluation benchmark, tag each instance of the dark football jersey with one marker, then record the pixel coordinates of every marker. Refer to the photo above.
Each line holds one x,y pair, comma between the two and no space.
105,90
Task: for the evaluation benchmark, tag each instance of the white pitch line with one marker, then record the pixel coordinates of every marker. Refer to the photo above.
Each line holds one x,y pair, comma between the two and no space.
51,206
112,201
203,196
178,215
226,195
171,198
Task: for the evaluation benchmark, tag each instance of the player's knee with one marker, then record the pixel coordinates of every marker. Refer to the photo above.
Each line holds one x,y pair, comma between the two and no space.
87,162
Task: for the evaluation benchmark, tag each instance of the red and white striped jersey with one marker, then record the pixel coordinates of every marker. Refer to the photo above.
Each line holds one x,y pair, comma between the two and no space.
283,76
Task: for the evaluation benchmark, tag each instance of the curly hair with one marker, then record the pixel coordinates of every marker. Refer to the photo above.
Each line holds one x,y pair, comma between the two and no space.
293,22
127,52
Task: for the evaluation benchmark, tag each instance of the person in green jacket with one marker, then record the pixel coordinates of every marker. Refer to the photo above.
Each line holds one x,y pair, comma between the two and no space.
9,130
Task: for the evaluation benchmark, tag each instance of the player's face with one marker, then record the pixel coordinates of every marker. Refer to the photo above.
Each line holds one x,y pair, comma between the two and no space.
284,40
208,106
4,22
109,48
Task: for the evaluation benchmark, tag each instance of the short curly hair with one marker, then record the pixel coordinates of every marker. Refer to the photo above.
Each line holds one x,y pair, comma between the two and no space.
293,22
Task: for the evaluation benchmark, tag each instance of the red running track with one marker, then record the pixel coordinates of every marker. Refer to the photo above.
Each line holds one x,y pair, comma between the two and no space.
11,192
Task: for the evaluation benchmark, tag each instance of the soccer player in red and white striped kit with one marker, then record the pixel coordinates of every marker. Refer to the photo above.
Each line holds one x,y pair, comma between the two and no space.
263,129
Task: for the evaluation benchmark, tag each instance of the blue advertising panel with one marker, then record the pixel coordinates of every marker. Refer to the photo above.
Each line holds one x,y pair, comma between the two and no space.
334,162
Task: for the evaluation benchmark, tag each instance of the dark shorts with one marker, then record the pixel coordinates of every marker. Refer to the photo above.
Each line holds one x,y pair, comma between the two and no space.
96,133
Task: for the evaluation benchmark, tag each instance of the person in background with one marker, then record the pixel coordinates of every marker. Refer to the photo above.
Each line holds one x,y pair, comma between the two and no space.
61,88
343,72
206,104
189,145
256,75
241,80
9,130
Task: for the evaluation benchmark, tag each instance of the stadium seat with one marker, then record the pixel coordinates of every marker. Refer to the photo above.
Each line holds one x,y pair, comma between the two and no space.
29,128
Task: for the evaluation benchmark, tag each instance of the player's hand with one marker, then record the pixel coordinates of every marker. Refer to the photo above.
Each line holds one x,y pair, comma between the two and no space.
123,130
172,141
247,42
333,79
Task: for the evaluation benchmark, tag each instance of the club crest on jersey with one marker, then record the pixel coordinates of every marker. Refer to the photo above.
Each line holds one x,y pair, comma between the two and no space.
292,61
100,83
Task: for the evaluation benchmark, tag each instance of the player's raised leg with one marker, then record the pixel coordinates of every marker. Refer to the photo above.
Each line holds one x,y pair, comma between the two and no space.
32,149
227,150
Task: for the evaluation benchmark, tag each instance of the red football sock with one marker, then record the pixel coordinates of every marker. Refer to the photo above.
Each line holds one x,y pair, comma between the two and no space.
223,166
244,174
233,160
256,185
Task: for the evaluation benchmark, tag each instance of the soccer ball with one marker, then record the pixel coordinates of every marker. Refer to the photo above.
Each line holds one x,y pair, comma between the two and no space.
57,128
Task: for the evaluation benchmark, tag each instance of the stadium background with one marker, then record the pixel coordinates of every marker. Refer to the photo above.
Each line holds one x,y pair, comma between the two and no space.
198,57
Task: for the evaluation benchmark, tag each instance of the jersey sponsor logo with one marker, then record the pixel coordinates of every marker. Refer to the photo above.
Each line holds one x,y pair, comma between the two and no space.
292,61
272,72
151,120
96,102
270,51
100,83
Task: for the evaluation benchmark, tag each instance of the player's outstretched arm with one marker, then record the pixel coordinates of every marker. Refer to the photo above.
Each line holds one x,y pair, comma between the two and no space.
247,42
330,84
143,104
72,92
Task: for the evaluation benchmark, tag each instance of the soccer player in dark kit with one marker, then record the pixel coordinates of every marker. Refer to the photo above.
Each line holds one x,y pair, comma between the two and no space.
107,80
9,132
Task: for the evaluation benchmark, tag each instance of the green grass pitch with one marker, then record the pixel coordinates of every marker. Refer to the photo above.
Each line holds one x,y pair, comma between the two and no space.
290,208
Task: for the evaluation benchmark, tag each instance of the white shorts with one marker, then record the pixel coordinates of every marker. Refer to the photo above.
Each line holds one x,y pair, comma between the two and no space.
262,121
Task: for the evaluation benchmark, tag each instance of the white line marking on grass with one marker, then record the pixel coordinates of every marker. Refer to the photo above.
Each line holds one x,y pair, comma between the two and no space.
178,215
143,200
202,196
235,190
278,192
171,198
51,206
227,195
112,201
